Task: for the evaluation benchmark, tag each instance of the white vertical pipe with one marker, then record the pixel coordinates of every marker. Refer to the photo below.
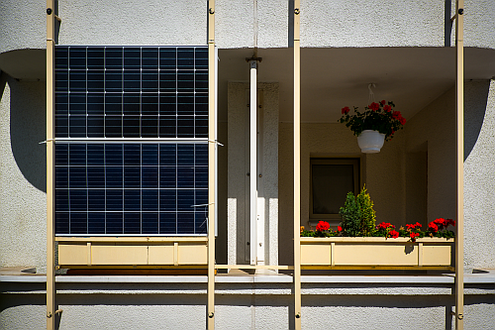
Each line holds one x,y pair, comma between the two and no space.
253,191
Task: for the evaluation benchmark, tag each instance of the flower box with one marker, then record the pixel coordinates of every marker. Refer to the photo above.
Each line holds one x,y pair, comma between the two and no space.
376,253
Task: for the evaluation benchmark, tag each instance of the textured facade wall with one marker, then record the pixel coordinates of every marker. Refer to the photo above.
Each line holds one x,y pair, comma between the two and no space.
479,172
22,174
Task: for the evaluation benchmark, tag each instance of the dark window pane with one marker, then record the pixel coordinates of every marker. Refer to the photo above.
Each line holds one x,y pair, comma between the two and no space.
330,185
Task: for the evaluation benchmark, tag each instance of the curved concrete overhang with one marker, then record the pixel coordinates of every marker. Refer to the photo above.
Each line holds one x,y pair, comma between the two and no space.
24,64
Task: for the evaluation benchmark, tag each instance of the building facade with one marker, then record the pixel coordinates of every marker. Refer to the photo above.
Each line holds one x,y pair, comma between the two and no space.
131,157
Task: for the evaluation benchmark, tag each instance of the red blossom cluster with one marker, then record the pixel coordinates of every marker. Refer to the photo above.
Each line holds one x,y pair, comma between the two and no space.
393,233
413,226
322,226
440,224
345,110
413,236
385,225
397,115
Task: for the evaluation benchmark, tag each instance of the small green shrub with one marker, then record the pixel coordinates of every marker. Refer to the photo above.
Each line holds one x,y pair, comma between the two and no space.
358,215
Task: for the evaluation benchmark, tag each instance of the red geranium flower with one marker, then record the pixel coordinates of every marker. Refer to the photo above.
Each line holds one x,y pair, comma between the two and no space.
433,226
374,106
345,110
382,102
339,228
387,108
322,226
394,233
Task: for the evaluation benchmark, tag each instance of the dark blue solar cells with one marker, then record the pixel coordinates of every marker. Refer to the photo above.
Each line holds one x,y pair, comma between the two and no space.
126,187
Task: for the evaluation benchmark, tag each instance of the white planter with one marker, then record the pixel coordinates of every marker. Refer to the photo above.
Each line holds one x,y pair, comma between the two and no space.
370,141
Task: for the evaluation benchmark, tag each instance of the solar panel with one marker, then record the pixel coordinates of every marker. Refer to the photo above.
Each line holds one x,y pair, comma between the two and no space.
131,154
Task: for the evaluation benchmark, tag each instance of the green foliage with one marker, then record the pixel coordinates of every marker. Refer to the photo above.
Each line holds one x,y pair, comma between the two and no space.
358,215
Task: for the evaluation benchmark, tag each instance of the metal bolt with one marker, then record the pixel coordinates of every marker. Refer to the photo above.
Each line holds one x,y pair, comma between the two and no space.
296,11
49,11
211,11
298,315
211,315
461,11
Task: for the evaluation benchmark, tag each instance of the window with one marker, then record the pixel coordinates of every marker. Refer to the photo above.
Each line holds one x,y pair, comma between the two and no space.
131,152
331,180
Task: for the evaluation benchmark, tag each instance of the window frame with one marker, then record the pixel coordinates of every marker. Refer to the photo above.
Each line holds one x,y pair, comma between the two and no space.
358,165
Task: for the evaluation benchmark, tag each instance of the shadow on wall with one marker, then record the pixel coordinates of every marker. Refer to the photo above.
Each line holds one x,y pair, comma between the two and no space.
475,102
27,128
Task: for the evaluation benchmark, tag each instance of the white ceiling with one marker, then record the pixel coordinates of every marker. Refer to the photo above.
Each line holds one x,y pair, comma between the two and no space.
337,77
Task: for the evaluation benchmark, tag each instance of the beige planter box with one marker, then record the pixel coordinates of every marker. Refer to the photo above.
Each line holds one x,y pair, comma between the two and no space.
132,251
376,253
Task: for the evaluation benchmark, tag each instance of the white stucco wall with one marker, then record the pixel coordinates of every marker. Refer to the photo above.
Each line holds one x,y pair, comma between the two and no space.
22,174
479,176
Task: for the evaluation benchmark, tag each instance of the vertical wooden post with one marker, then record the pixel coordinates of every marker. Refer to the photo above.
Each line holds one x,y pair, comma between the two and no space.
50,147
210,317
297,167
459,240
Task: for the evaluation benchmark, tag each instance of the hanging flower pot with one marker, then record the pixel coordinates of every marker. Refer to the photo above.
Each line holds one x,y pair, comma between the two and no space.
370,141
378,123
